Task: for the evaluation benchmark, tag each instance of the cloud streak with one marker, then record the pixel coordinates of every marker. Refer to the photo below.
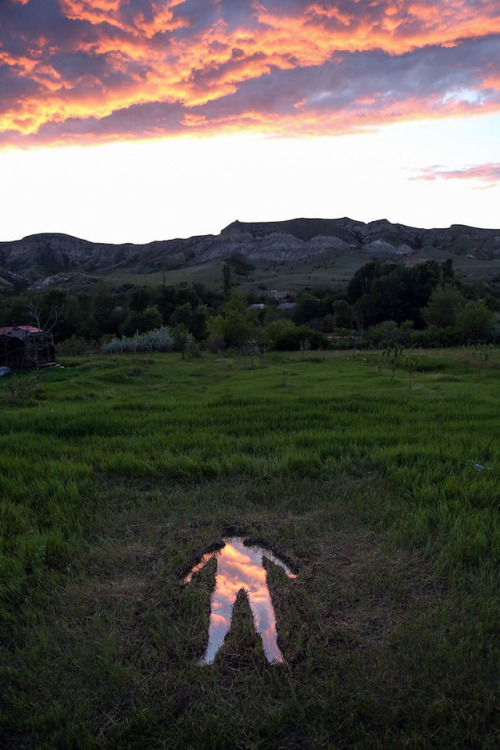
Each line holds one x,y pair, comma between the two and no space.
487,173
87,70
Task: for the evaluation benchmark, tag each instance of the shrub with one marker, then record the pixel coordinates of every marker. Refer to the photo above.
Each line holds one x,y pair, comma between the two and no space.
476,322
158,340
383,333
291,340
74,345
277,330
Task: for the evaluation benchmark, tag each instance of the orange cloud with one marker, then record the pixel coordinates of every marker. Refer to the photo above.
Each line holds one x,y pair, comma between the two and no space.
87,62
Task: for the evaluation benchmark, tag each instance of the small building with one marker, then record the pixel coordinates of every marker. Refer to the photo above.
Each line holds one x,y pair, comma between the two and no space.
281,294
23,347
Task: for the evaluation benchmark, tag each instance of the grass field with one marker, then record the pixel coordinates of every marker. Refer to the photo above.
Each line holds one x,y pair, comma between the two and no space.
118,472
334,268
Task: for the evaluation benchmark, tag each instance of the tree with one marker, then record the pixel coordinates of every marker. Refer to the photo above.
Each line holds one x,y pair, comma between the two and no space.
104,305
391,291
45,323
393,353
165,301
139,299
342,314
363,311
226,279
476,322
447,271
278,330
135,322
361,282
443,307
194,320
181,338
308,307
235,325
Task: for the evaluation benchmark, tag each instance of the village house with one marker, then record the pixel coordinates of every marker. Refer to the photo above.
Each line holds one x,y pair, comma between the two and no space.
23,347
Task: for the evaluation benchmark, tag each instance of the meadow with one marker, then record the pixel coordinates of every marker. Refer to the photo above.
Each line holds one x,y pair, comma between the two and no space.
118,472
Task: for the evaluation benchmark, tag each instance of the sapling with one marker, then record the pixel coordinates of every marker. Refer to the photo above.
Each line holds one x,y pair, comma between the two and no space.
393,352
22,386
410,365
481,355
262,352
305,346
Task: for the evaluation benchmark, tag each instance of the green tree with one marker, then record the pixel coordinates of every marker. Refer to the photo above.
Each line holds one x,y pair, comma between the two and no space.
391,291
194,320
277,330
17,309
141,322
308,307
165,302
361,282
443,307
235,324
104,304
139,299
447,271
226,279
342,314
181,338
476,322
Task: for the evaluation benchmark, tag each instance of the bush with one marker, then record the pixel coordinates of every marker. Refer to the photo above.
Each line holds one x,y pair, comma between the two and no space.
22,387
142,322
277,330
477,322
433,337
158,340
75,345
383,333
291,340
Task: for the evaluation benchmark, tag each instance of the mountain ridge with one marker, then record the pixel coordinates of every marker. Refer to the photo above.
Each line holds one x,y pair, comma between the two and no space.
39,256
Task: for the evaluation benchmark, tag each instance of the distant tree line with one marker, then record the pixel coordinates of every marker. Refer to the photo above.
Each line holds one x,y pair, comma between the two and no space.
426,304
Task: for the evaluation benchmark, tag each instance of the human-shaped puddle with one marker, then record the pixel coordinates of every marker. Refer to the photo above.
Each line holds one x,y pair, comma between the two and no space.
240,566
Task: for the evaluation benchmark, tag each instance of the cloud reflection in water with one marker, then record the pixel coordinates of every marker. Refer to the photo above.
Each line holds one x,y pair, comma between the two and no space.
240,567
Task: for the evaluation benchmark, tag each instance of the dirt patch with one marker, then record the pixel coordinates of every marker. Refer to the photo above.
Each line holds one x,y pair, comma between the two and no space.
359,591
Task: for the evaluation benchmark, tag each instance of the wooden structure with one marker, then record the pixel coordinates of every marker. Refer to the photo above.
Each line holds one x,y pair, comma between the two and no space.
23,347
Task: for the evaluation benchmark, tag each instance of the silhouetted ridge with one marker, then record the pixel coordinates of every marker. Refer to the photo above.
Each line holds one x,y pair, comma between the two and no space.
59,256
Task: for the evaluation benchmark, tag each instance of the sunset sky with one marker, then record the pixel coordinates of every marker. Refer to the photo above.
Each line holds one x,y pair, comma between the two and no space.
136,120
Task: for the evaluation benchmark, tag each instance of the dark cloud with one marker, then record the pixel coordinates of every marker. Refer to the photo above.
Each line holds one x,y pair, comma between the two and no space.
435,73
14,88
201,77
22,26
76,68
138,120
80,65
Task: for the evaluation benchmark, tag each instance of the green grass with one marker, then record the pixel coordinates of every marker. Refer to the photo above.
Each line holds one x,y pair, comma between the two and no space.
335,267
117,472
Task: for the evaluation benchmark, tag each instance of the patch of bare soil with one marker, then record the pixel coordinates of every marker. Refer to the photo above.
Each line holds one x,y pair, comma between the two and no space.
357,591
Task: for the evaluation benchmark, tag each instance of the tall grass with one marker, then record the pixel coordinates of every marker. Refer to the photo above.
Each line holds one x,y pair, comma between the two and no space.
205,441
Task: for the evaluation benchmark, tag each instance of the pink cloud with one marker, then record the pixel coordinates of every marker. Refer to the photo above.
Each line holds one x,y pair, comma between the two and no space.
86,70
488,173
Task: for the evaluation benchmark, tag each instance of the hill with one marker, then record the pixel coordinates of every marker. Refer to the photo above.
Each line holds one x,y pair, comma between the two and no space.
315,250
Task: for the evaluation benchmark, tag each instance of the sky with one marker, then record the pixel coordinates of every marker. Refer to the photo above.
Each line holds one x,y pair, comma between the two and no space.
141,120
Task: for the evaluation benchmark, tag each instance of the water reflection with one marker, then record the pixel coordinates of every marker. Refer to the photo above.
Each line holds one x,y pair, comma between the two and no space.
239,566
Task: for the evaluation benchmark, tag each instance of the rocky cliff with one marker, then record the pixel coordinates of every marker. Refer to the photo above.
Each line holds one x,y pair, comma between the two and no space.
42,255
